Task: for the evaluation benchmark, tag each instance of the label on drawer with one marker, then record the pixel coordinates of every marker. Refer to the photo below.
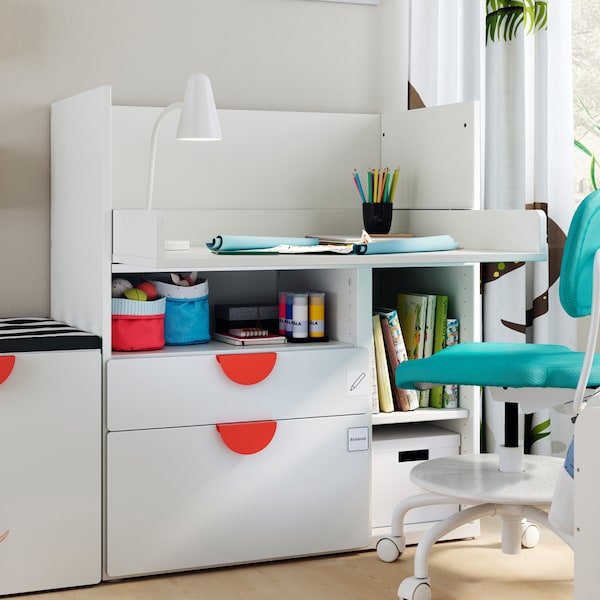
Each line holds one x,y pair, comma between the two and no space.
358,439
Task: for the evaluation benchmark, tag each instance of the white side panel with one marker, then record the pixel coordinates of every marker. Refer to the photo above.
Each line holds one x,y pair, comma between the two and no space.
587,501
180,499
80,211
50,472
266,160
438,151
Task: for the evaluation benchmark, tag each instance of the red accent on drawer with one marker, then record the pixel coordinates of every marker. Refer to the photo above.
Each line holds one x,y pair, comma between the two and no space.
247,369
6,366
247,438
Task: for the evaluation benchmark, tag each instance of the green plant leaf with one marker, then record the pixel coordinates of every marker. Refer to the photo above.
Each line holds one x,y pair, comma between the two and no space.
505,17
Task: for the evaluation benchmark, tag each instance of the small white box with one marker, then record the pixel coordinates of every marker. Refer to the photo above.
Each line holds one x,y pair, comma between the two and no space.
396,450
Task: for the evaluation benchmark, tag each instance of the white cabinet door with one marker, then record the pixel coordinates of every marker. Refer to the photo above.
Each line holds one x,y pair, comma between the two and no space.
50,471
180,498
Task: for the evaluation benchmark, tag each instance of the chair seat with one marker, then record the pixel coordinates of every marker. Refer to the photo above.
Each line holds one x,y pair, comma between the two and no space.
475,478
498,364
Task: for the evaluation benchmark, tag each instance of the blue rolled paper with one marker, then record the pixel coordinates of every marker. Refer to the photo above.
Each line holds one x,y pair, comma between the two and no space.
256,242
431,243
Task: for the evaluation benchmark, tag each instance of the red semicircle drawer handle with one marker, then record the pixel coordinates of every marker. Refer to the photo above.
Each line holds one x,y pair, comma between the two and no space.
6,366
247,438
247,369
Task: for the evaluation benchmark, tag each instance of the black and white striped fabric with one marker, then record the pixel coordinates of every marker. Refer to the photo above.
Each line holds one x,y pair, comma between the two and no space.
36,334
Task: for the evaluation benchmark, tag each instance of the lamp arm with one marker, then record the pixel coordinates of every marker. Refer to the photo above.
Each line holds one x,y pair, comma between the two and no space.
153,141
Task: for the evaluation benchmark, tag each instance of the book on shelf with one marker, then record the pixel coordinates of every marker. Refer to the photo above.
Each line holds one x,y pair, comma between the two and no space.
384,388
245,340
399,348
428,343
439,342
373,377
399,395
450,391
412,312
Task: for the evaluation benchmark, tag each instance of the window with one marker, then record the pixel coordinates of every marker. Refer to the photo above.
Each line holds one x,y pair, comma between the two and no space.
586,94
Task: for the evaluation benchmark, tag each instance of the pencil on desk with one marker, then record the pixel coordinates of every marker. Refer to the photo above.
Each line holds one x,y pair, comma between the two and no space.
359,186
394,182
382,178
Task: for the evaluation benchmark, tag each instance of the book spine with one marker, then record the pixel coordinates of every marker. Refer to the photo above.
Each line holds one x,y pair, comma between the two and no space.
439,343
386,403
373,375
412,396
400,399
451,391
431,302
411,312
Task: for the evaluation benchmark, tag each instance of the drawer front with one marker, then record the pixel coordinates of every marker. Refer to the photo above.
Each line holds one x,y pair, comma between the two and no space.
50,471
391,483
166,391
181,498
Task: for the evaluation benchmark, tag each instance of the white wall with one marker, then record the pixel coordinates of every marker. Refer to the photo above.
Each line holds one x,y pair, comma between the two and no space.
260,54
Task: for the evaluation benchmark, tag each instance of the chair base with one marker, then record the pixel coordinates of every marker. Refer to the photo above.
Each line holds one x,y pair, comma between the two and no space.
475,481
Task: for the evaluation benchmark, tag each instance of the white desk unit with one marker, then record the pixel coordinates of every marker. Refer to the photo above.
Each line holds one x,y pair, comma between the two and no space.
175,496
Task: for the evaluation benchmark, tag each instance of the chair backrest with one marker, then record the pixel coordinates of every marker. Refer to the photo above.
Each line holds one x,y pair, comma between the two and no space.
576,271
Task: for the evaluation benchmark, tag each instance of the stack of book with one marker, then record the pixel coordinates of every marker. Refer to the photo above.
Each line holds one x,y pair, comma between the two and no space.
249,336
417,328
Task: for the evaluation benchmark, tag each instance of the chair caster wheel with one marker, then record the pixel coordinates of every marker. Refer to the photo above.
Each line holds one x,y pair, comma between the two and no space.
413,588
530,535
390,549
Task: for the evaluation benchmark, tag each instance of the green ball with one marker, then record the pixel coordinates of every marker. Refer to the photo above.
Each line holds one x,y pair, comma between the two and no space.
135,294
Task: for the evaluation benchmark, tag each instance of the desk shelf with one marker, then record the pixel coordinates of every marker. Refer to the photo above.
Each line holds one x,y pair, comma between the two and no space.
420,415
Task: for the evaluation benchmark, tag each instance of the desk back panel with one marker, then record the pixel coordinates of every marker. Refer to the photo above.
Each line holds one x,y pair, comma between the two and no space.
290,173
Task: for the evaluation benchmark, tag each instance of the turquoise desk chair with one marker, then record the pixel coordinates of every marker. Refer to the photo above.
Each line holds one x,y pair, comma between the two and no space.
509,484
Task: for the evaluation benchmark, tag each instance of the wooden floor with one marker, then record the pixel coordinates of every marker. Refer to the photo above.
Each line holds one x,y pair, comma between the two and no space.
464,570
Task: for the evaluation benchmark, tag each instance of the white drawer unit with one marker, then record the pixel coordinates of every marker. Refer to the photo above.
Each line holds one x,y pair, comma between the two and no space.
217,459
180,498
50,470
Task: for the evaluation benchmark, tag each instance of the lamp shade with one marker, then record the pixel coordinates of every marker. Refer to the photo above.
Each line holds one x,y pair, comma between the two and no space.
198,120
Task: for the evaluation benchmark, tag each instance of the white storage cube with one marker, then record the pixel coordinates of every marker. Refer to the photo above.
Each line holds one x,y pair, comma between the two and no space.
396,450
50,471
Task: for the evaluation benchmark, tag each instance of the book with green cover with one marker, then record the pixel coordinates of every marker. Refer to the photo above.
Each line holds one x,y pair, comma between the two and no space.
439,342
412,312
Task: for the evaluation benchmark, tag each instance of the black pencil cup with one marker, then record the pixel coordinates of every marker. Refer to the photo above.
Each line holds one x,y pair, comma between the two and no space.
377,217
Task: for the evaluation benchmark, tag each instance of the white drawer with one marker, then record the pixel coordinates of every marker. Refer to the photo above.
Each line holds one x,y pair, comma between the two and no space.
181,499
50,470
167,391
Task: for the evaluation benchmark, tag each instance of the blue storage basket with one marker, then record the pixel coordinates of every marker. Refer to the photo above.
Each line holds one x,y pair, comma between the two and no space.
186,321
186,312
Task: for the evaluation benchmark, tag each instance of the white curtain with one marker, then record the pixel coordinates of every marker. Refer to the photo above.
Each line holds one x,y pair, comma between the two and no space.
515,57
